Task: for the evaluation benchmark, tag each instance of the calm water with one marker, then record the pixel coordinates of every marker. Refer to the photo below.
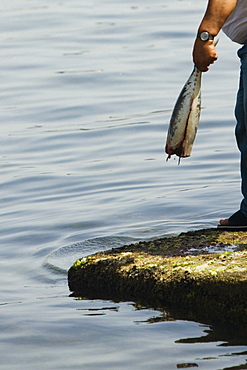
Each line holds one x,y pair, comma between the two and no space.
87,89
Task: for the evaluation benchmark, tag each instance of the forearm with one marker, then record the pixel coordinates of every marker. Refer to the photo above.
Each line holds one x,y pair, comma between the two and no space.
216,14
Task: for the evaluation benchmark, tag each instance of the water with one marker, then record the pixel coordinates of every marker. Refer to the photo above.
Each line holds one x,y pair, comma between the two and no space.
87,89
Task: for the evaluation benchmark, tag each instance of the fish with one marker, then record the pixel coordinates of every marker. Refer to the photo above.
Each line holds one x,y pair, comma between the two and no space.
185,118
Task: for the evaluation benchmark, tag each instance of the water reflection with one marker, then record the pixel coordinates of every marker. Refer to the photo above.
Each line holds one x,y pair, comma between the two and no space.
218,344
220,333
224,336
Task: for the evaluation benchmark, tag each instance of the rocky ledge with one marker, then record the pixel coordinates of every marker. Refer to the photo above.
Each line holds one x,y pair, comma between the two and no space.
203,273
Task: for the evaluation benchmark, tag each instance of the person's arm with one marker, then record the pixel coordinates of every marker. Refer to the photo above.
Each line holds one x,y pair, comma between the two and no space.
217,12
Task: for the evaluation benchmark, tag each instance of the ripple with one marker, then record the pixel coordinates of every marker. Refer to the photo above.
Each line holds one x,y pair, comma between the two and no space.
61,259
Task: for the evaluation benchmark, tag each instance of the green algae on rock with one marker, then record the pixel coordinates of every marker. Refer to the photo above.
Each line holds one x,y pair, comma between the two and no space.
175,271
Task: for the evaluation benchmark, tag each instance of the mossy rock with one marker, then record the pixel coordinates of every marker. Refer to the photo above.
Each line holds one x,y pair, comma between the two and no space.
173,272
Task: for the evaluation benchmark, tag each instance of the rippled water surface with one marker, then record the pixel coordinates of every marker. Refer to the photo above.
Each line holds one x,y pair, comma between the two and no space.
87,89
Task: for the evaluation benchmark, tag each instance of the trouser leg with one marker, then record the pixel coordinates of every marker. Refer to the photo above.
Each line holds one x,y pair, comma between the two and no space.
241,127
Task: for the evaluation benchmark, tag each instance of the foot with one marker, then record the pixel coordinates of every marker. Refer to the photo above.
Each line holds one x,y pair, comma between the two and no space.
224,222
238,221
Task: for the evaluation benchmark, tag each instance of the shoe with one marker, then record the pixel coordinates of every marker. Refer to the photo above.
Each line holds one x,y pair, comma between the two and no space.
237,222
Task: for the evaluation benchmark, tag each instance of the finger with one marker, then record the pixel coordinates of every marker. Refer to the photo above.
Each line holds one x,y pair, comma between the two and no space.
202,67
215,56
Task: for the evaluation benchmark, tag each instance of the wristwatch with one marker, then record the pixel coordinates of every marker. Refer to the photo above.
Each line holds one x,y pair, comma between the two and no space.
205,36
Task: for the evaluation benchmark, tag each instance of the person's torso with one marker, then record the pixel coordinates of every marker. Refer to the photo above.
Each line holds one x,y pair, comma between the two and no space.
235,26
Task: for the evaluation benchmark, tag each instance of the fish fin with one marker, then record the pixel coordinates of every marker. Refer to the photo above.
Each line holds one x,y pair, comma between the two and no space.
216,42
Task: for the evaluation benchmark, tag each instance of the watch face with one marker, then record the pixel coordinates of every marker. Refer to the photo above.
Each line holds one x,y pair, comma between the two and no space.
204,36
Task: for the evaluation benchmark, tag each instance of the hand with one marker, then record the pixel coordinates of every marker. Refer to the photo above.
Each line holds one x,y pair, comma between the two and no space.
204,54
